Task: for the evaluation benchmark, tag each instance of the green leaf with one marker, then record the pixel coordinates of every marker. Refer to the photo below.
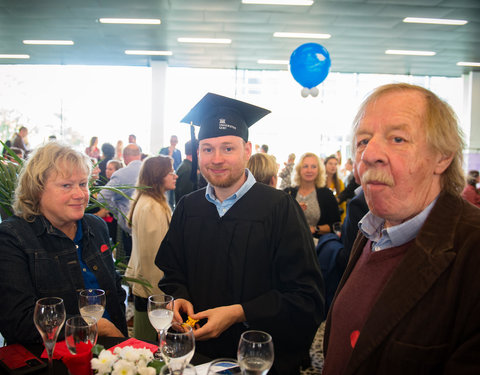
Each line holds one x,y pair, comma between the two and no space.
157,365
97,349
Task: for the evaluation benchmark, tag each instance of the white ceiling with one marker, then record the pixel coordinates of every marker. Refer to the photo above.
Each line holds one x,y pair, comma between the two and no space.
361,32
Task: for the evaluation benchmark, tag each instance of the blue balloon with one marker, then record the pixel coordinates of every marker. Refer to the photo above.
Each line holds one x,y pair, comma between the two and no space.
310,64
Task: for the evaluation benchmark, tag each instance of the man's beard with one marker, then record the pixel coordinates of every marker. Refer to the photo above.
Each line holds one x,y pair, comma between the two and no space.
223,181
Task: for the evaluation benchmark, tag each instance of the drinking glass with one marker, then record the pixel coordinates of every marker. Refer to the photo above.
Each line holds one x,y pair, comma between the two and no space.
91,303
160,314
177,345
80,330
224,366
49,316
255,352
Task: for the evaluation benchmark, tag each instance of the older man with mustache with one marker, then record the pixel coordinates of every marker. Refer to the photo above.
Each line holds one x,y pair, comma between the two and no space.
408,302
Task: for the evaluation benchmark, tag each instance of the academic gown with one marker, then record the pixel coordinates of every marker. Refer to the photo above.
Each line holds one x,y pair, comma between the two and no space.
260,254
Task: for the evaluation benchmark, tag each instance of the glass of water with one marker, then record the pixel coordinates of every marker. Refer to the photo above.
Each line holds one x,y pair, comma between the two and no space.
255,352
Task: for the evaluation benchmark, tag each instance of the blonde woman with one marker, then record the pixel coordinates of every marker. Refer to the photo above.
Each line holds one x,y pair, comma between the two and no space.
264,168
318,203
150,217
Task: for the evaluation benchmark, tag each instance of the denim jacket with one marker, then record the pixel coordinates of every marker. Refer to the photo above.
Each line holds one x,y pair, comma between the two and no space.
37,260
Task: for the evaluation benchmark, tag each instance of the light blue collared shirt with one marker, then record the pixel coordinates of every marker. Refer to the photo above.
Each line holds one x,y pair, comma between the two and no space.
223,207
385,238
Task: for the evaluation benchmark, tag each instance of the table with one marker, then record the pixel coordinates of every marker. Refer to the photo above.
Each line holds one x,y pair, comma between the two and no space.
60,369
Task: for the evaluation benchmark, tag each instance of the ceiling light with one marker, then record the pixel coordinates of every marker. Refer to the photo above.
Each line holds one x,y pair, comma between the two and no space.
412,53
150,53
14,56
50,42
279,2
205,40
301,35
464,63
273,62
435,21
131,21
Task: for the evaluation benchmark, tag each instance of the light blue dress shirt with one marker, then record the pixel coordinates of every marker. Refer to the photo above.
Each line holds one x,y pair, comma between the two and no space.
223,207
118,203
385,238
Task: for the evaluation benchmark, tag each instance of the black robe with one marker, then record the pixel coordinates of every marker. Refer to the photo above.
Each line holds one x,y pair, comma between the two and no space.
260,254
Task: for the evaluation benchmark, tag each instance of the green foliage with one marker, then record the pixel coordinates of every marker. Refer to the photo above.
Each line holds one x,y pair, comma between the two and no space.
9,170
157,365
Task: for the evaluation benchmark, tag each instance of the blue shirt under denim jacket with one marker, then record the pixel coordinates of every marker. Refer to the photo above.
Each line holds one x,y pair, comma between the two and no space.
37,260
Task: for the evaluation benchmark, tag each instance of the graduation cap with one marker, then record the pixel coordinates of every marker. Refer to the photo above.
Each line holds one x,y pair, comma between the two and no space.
218,116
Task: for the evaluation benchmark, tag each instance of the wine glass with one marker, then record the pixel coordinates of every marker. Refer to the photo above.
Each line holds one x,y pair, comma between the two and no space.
160,314
223,366
91,303
177,345
80,330
49,316
255,352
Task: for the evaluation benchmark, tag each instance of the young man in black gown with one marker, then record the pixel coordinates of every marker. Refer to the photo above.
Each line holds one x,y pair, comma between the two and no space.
239,254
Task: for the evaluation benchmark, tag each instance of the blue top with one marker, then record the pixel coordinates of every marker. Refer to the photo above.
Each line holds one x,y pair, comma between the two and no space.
384,238
223,207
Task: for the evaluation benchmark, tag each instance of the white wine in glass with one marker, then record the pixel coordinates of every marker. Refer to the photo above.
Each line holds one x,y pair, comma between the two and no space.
160,314
80,330
91,303
255,352
49,316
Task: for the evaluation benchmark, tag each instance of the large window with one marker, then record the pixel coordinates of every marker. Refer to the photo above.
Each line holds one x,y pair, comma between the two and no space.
78,102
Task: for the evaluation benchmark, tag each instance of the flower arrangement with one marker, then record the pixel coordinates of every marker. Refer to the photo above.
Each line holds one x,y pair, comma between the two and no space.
126,361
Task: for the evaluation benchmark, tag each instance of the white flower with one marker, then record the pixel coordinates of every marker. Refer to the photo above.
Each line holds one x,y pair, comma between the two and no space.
130,354
123,367
103,364
124,361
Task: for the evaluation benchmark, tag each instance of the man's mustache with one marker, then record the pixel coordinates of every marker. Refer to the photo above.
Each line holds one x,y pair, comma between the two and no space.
375,175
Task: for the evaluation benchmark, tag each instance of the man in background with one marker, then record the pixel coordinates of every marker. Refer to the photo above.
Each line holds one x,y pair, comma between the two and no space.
184,183
408,302
20,140
176,155
119,204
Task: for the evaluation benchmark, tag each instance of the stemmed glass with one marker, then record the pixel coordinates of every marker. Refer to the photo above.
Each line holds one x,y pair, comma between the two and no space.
255,352
80,330
160,313
91,303
177,345
49,316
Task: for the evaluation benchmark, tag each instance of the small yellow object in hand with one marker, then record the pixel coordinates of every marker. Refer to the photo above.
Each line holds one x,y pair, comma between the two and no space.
191,322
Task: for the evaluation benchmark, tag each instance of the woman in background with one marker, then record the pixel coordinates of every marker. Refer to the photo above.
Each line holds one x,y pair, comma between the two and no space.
264,168
108,152
470,193
150,217
93,151
119,150
317,201
334,183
